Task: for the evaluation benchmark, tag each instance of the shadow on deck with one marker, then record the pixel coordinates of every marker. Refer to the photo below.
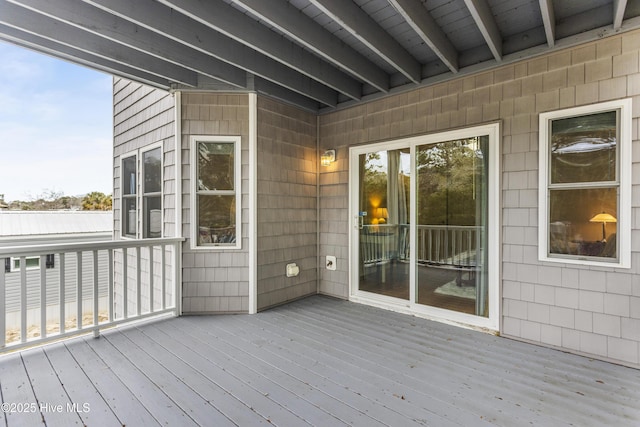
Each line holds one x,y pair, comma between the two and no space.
318,361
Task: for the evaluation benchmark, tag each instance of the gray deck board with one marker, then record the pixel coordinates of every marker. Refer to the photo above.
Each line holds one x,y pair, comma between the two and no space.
152,396
160,349
116,395
81,392
52,398
317,361
294,361
209,368
16,389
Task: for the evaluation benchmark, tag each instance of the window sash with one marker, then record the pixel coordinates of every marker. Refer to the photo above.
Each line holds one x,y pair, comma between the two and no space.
582,249
140,185
224,228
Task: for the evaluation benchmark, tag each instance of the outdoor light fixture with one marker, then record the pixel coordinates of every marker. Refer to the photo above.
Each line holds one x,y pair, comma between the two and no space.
603,218
328,157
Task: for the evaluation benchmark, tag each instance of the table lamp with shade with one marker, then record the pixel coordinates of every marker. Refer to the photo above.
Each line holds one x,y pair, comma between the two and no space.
604,218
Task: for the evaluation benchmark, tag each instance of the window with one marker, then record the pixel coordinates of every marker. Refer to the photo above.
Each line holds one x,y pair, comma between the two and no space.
31,263
129,196
216,190
152,193
144,183
585,167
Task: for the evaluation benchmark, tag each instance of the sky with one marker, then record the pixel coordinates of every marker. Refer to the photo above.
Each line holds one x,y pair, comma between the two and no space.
55,126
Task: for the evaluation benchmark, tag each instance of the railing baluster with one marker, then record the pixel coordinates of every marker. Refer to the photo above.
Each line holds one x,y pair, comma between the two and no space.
3,303
79,290
43,296
96,318
23,299
125,283
151,287
62,292
110,282
163,276
138,281
469,243
176,285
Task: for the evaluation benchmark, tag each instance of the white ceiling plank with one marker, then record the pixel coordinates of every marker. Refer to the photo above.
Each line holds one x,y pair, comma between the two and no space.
43,26
66,53
486,23
314,37
349,16
193,35
238,26
619,7
549,20
418,17
114,28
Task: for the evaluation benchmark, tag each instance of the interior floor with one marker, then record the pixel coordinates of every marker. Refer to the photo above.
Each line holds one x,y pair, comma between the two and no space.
437,287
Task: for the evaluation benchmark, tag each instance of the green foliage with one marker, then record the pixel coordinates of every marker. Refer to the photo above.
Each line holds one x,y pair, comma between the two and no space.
96,201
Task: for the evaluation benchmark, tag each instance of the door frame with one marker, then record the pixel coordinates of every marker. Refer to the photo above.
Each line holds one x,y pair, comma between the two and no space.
491,323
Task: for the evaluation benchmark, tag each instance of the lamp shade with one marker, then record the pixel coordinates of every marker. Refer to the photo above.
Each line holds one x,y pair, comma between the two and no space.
381,213
604,218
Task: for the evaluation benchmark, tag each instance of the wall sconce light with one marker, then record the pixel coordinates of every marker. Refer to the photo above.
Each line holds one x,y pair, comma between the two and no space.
328,157
603,218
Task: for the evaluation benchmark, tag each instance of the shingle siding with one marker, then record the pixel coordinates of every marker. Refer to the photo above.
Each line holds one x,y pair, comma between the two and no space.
214,280
541,303
143,116
287,202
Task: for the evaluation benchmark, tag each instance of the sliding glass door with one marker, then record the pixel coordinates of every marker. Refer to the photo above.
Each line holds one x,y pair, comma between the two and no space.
451,242
425,231
383,222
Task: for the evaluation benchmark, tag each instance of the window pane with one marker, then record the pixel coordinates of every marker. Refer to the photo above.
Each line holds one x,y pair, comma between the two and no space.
129,175
574,228
152,217
215,165
451,245
129,217
217,220
152,161
583,149
30,262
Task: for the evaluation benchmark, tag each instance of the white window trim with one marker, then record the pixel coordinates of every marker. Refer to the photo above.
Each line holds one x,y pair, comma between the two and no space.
14,259
624,170
193,140
139,190
142,194
493,130
123,157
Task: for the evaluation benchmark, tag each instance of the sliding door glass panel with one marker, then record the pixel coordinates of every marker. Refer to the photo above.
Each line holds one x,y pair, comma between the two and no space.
451,240
383,210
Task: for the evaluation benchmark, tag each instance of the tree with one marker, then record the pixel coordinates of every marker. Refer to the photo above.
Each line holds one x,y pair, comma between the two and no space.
96,201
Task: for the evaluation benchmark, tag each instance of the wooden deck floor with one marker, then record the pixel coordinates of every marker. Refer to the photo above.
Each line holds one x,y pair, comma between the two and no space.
317,361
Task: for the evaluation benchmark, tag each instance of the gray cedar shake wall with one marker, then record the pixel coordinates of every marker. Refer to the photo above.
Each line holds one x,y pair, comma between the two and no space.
590,310
143,116
214,280
287,210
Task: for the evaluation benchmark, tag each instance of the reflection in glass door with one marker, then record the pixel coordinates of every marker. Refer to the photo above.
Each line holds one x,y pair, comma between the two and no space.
383,217
425,235
452,210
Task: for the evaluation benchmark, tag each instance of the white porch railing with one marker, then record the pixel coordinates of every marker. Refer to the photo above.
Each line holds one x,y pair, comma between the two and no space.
85,287
435,244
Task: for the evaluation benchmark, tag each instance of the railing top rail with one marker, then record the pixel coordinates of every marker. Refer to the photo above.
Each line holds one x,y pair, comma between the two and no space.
429,226
450,227
31,250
